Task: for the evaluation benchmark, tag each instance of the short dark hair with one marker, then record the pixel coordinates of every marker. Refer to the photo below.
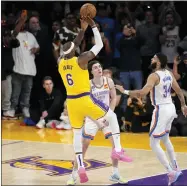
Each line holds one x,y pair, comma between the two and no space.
90,65
47,78
163,59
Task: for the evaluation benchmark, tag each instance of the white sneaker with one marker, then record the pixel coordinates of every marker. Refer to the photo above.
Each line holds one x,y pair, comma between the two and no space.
118,179
52,124
26,112
60,126
40,124
67,126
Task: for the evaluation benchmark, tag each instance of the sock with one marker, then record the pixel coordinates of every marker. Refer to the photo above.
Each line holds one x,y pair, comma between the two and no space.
113,122
77,143
115,170
74,173
155,145
170,151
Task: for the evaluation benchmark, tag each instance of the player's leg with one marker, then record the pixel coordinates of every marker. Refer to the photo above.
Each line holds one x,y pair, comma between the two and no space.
157,131
115,171
167,142
77,120
88,132
99,111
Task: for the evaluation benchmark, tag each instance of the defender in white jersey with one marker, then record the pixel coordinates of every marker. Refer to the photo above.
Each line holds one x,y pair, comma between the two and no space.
159,85
102,88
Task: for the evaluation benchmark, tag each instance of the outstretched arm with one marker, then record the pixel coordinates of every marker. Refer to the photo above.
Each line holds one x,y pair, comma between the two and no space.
85,57
152,80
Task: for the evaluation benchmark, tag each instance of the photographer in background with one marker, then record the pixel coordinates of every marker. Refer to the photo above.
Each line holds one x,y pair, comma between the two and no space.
8,42
138,115
180,71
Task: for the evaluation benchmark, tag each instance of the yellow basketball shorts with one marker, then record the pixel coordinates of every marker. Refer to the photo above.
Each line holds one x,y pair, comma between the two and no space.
84,105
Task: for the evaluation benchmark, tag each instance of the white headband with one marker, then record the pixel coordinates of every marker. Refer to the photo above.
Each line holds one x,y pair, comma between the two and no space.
70,49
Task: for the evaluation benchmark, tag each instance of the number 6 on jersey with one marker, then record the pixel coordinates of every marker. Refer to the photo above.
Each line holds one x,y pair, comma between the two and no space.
69,79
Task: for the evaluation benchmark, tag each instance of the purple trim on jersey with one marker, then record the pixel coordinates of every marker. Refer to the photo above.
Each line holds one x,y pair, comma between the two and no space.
99,103
78,95
156,121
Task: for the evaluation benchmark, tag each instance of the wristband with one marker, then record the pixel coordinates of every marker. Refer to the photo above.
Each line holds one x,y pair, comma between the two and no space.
126,92
94,26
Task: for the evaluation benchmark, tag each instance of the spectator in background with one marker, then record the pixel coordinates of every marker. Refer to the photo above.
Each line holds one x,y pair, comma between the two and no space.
180,71
149,32
138,115
9,42
23,71
169,38
65,34
44,59
106,23
56,26
104,55
130,60
51,104
182,46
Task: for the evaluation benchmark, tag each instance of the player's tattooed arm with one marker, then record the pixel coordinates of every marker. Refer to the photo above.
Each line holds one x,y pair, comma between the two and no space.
152,80
112,94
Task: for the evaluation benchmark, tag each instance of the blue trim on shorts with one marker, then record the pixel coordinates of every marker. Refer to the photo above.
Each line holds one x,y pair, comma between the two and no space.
107,136
78,95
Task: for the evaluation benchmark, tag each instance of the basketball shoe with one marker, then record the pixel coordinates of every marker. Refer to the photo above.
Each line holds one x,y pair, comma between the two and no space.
82,175
121,156
173,177
116,178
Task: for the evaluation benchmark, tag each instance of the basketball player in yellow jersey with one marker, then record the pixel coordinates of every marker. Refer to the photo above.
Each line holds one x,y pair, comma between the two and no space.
80,103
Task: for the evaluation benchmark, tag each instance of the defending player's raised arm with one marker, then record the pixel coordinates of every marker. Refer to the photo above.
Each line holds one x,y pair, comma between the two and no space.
152,80
177,89
85,57
112,94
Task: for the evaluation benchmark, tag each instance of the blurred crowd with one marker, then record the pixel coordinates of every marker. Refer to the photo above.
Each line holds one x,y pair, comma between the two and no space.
132,32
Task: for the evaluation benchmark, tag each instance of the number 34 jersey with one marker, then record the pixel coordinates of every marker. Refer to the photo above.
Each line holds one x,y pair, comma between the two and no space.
161,93
76,80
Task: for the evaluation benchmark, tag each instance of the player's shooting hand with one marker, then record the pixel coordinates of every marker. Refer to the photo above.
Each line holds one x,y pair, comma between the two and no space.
120,88
184,110
90,21
84,23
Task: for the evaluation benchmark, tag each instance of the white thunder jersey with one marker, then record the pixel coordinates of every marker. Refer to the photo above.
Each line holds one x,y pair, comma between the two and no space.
161,93
101,93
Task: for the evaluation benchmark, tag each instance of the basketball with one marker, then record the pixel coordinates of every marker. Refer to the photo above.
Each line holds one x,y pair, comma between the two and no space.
88,10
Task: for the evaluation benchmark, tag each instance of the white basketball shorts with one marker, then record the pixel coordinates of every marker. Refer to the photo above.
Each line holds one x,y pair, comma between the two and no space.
162,118
90,130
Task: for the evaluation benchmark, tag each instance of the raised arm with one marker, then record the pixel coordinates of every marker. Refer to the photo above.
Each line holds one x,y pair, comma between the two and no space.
21,22
85,57
152,80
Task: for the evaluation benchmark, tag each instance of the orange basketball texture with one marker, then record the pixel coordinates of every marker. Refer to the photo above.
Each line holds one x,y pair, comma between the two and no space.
88,10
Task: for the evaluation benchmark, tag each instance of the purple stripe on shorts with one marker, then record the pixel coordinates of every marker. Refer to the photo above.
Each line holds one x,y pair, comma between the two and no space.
99,103
78,95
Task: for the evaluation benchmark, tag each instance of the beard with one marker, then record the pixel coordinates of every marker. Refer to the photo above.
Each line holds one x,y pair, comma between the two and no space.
153,66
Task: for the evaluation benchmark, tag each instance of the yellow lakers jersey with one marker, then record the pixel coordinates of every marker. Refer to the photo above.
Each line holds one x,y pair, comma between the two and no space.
76,80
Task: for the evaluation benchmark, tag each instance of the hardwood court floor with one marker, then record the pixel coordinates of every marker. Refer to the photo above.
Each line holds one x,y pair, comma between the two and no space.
43,157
